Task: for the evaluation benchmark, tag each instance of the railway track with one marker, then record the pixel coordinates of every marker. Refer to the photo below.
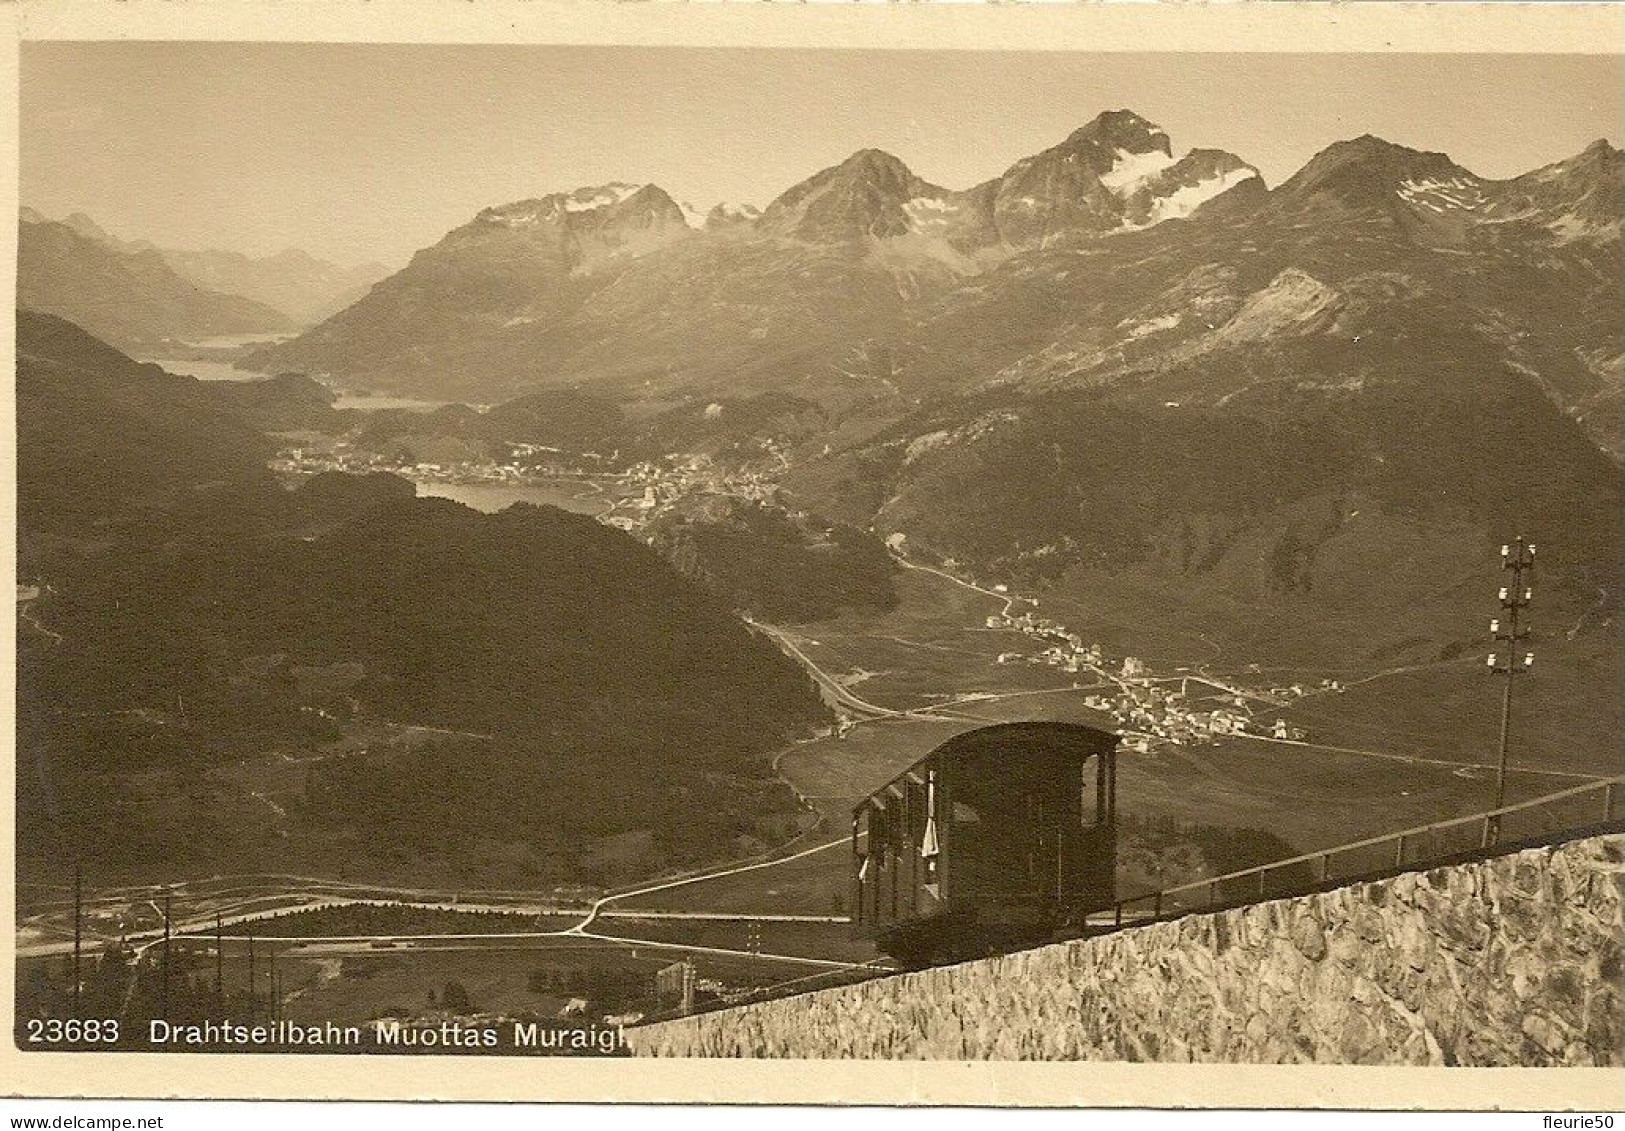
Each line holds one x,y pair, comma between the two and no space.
1224,892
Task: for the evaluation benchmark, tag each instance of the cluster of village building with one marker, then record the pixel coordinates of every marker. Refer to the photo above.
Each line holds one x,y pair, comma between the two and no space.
678,476
646,490
516,470
1148,708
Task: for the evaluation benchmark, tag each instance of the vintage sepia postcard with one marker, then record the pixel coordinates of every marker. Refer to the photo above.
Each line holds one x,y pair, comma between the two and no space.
1025,555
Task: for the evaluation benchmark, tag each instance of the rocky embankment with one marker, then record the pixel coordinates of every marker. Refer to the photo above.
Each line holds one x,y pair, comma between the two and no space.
1509,961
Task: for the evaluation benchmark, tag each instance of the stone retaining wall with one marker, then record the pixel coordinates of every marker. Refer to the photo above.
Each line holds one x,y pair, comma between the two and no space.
1510,961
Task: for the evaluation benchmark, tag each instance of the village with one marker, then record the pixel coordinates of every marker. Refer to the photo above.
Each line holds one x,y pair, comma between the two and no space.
1153,709
655,487
636,495
525,463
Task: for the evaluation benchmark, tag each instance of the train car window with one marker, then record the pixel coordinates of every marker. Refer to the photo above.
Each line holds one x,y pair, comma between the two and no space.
917,813
1088,777
1096,808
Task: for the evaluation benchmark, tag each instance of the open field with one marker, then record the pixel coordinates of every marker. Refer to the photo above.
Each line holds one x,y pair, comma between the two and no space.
1566,715
815,884
833,941
1415,676
500,981
349,984
933,645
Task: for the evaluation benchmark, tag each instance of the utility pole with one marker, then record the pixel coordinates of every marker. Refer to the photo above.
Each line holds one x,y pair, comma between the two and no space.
167,898
219,967
78,936
253,992
1518,558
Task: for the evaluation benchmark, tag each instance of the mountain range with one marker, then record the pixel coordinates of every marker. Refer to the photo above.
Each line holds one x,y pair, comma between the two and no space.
1112,357
1102,261
133,299
136,294
1141,378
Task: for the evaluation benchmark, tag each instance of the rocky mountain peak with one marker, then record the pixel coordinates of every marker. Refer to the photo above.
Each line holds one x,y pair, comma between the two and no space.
592,204
1116,173
1121,129
877,163
1579,198
864,197
1369,171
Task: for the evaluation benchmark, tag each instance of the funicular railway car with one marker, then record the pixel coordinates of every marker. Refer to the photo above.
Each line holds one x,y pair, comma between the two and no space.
1001,837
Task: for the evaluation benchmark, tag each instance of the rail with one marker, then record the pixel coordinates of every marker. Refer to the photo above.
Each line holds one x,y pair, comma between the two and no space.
1566,811
1396,851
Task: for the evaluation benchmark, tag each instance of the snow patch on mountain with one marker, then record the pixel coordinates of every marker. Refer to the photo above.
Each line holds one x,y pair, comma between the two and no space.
967,433
920,445
928,212
553,208
589,199
1188,198
692,216
1452,193
718,215
1129,171
729,211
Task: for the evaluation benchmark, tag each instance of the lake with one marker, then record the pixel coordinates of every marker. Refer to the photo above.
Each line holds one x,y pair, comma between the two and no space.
205,370
237,341
373,402
566,494
223,371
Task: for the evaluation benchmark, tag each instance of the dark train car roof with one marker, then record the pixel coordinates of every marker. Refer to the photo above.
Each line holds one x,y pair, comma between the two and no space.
971,740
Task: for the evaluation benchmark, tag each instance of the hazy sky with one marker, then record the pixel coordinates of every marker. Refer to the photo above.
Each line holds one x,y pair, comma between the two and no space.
358,152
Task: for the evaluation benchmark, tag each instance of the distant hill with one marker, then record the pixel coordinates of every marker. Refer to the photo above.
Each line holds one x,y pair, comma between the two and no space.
101,437
526,265
1119,360
782,569
526,683
132,298
301,288
788,299
560,420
